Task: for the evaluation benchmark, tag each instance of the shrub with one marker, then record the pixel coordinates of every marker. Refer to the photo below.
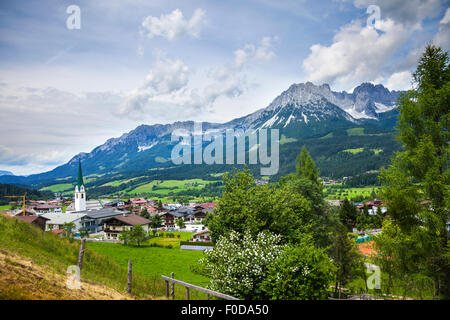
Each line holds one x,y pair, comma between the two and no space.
238,264
302,272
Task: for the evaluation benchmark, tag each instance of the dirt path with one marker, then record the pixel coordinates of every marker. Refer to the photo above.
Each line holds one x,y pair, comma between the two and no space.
21,279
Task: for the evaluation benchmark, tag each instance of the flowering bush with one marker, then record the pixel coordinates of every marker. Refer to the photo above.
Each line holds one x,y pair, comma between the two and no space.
301,272
238,264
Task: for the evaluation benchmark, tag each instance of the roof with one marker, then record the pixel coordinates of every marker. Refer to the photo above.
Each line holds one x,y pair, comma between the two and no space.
207,205
30,219
46,206
90,205
103,213
201,232
366,249
57,231
175,213
80,176
132,219
61,218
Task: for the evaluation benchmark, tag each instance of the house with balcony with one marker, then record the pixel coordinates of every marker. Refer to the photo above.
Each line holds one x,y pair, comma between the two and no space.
116,225
93,221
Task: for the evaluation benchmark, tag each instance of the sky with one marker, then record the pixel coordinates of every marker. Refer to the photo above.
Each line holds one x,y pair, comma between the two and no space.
76,73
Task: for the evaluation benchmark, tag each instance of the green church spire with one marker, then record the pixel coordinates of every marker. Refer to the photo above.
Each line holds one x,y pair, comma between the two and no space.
80,176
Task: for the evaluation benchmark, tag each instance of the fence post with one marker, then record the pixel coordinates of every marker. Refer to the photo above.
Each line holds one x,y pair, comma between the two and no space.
173,287
187,293
167,289
207,296
81,254
129,275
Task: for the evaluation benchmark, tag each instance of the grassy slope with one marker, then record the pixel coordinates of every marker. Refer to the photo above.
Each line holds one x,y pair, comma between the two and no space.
179,184
155,261
57,254
58,187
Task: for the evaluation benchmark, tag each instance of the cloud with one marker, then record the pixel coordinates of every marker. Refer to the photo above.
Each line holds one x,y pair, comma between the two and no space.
443,37
167,76
45,127
358,53
264,52
173,26
164,79
167,92
400,81
406,12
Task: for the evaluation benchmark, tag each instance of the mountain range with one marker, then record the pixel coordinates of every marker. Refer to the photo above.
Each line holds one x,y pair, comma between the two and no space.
303,113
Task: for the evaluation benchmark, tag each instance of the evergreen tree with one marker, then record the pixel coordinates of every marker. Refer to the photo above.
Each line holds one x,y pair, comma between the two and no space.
346,258
306,167
348,214
421,169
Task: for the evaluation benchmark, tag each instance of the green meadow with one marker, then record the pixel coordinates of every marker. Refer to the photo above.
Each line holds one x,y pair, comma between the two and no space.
154,261
167,186
337,193
58,187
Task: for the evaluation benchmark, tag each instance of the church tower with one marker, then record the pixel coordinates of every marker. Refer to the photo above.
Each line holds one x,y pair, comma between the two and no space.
80,191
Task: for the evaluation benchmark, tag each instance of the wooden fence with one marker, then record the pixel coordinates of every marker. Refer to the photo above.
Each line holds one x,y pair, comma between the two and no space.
189,286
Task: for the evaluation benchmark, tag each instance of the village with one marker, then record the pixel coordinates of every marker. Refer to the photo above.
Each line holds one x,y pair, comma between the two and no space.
100,220
97,220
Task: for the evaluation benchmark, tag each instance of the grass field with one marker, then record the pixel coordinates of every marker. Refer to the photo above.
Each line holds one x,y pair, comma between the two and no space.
5,207
58,187
174,242
167,186
154,261
354,151
284,139
341,193
355,132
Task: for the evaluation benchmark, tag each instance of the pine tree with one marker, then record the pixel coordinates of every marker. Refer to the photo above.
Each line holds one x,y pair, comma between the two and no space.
421,169
306,167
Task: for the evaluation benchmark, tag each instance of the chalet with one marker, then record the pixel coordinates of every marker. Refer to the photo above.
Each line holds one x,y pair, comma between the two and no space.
169,218
114,204
115,225
200,213
202,236
20,212
206,206
172,206
138,201
37,221
47,208
57,220
93,221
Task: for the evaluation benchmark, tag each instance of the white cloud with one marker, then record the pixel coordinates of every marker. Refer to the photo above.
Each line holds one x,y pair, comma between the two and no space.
358,53
164,79
173,25
167,92
264,52
400,81
167,76
407,12
44,127
443,37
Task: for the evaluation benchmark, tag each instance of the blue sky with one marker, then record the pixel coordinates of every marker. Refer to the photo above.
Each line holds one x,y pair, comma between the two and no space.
66,91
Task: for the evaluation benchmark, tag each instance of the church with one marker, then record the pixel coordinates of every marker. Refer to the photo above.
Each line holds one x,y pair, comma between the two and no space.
80,202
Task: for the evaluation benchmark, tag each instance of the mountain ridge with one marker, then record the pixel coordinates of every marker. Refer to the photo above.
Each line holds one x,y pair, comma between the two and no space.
303,110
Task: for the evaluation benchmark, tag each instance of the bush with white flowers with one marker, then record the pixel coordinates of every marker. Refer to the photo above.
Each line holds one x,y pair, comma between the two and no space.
238,264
